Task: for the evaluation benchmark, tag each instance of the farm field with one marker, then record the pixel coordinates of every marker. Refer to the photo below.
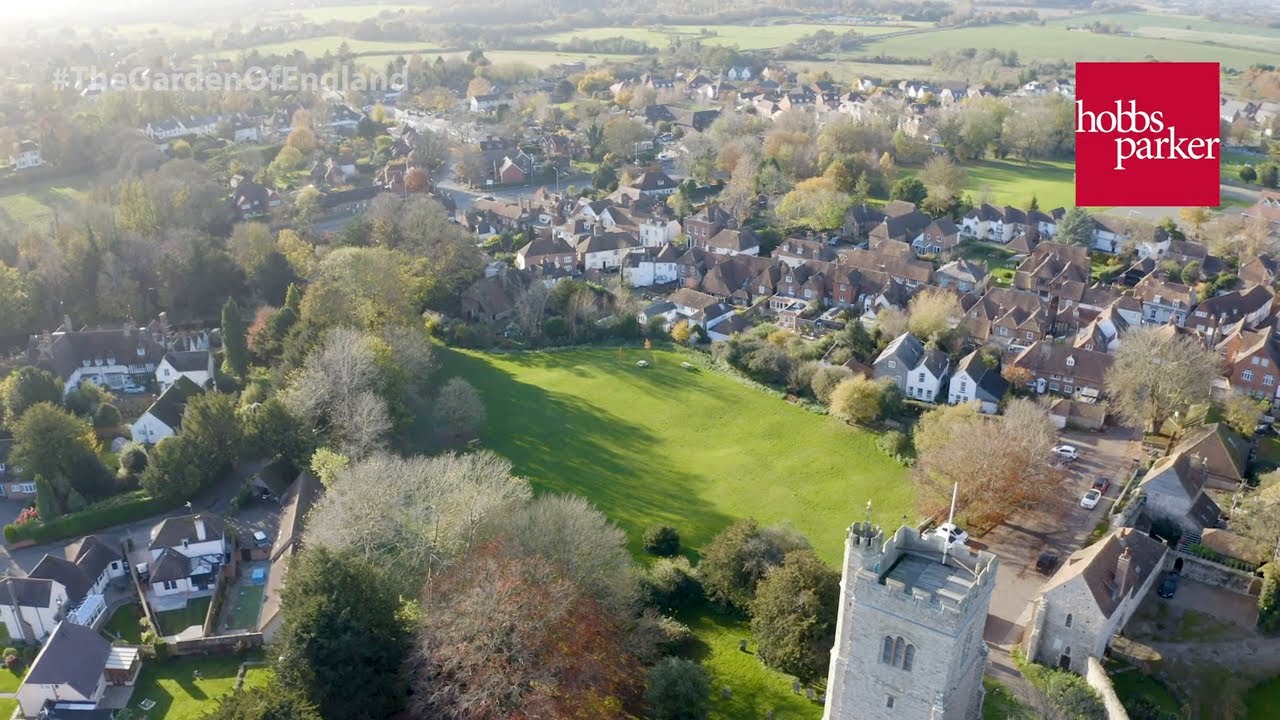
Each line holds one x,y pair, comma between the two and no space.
317,46
746,37
1056,42
1183,27
343,13
36,203
690,448
526,57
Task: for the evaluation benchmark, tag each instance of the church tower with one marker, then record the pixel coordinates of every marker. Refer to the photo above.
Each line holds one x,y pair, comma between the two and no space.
909,635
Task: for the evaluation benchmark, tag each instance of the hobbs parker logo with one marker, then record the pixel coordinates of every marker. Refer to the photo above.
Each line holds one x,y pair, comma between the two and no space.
1147,134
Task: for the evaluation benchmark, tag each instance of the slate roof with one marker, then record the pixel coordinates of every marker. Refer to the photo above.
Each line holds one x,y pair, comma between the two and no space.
27,592
71,348
935,361
1085,367
1225,452
905,348
170,565
730,239
71,576
188,360
296,502
74,655
169,407
95,554
172,530
1096,565
989,384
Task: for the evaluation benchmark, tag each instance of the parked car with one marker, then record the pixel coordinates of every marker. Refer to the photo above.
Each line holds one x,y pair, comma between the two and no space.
1090,499
1066,452
1101,484
260,539
133,389
953,535
1169,585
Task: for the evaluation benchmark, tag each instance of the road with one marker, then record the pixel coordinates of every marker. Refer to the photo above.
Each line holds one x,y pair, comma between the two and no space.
1157,215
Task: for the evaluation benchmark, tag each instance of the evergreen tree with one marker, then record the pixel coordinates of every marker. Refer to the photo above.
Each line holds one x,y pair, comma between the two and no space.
293,297
235,342
47,502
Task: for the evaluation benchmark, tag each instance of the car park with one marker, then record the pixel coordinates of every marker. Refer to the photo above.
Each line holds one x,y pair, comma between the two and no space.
1067,453
1090,499
1169,585
1101,484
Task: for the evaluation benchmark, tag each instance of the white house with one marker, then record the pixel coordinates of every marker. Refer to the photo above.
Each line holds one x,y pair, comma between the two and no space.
489,102
75,667
30,608
164,418
186,553
658,231
27,156
604,249
926,380
975,381
194,365
645,267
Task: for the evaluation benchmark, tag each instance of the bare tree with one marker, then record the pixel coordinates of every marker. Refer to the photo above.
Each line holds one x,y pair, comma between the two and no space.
1002,463
571,533
336,390
1156,372
459,411
414,514
531,307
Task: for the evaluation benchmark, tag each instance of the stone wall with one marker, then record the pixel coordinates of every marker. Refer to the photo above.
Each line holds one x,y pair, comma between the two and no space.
217,644
1101,683
1211,573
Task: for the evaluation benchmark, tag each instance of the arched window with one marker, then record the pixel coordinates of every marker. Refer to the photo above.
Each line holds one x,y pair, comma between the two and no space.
899,648
909,658
886,655
1068,619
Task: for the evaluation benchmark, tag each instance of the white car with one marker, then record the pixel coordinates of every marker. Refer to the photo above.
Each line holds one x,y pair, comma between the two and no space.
1066,452
1090,499
953,535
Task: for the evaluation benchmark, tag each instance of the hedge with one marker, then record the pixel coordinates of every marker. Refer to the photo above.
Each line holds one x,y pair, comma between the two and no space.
116,510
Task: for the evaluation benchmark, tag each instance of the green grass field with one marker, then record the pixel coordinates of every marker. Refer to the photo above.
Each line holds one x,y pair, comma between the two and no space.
246,602
696,450
10,680
1184,27
36,203
1132,686
1056,42
317,46
1013,182
173,622
745,37
1263,700
999,704
179,695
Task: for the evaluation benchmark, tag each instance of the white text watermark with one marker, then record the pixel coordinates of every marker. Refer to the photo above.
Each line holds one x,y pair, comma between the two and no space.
277,78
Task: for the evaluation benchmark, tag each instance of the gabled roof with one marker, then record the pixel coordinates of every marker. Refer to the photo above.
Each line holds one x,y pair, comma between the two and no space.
169,566
1224,451
172,403
63,571
74,655
1096,566
905,348
990,385
188,360
26,592
172,531
963,270
95,554
935,361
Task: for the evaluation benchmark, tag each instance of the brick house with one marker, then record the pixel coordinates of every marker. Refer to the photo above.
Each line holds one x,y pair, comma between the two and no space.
1252,364
1064,370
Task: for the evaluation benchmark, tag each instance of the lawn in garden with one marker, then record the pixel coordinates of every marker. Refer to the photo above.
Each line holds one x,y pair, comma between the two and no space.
173,622
246,604
177,692
124,625
1263,700
694,449
10,680
7,707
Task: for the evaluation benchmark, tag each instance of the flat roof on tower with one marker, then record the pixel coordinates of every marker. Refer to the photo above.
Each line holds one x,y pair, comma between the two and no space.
948,583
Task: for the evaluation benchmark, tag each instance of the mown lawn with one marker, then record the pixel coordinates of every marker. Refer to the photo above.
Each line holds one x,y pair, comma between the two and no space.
35,204
693,449
1263,700
178,695
1000,704
1013,182
124,625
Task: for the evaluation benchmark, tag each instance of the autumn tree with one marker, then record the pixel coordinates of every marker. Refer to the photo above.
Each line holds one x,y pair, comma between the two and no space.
815,203
943,181
1002,463
1242,413
505,634
680,332
793,615
932,313
1155,373
1195,217
415,514
857,400
344,638
739,557
51,442
25,387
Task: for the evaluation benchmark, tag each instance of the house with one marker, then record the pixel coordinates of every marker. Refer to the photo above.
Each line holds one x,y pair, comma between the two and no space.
739,73
26,156
1164,301
860,219
1054,270
111,358
1259,270
296,502
927,380
164,418
654,183
1225,455
186,553
251,200
1251,363
30,608
689,303
1064,370
1103,333
546,249
194,365
1266,209
97,562
490,299
1174,488
1250,306
976,381
76,664
732,241
1091,597
604,249
898,359
705,223
904,227
962,276
644,267
489,102
1011,318
939,238
797,251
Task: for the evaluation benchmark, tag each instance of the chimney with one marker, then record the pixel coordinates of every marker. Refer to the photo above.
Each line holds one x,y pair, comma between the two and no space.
66,323
597,229
200,531
1123,572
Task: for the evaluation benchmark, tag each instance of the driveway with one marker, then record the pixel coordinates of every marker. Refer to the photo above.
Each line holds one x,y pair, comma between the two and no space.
1059,525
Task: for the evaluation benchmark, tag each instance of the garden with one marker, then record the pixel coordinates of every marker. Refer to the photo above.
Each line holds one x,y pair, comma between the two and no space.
186,688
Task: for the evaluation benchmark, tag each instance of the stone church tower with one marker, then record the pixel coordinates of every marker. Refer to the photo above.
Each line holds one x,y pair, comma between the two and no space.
909,636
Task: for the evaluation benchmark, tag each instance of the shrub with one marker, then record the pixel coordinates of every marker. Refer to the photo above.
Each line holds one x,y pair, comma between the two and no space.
107,416
117,510
11,533
826,378
656,636
895,444
672,584
661,540
1269,600
678,689
11,659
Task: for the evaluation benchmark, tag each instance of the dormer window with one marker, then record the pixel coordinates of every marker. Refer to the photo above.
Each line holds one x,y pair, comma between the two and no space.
1071,361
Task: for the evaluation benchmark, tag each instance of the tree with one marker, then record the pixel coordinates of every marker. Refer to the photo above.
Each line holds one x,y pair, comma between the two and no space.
133,459
328,465
415,514
825,380
1195,217
1076,227
273,702
268,430
107,416
678,689
235,344
1248,173
1002,463
1155,373
507,635
605,178
662,540
1268,175
459,411
793,615
735,560
47,502
943,181
1242,413
622,135
815,203
340,390
932,313
680,332
210,425
343,639
672,584
170,471
857,400
302,140
52,442
909,189
25,387
308,204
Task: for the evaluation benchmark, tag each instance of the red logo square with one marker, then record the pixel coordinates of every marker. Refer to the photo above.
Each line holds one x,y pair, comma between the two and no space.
1147,134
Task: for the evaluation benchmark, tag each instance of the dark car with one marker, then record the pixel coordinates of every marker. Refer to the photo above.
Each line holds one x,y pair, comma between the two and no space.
1169,586
1047,561
1101,484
